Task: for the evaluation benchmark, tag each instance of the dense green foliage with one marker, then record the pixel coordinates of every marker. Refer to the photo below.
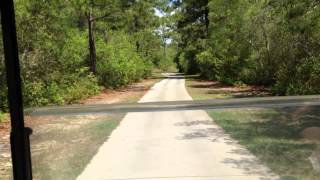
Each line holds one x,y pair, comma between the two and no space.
270,42
54,47
119,63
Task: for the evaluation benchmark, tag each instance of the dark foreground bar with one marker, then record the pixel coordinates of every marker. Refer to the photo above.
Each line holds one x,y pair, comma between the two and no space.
259,102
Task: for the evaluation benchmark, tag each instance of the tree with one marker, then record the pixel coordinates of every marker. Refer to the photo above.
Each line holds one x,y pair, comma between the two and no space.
192,26
77,45
95,11
272,43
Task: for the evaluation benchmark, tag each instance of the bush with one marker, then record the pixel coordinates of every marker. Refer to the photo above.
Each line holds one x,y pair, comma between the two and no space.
53,75
118,63
183,63
207,65
187,61
85,86
68,89
303,79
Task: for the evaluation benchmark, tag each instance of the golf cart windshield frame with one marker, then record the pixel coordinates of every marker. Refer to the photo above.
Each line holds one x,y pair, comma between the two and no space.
19,137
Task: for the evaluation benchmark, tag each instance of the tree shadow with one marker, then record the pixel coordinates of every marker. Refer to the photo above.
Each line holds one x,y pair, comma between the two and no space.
212,134
160,77
243,159
293,119
275,137
219,88
250,165
176,77
194,123
211,84
240,92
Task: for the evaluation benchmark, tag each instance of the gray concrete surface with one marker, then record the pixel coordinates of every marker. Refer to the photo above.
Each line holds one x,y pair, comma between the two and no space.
172,145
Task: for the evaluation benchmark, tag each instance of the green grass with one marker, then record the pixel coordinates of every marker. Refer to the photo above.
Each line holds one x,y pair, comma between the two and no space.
273,135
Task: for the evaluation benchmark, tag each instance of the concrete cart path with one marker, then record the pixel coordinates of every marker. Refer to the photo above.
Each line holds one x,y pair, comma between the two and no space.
172,145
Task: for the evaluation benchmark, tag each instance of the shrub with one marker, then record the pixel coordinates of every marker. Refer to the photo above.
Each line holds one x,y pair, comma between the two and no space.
303,79
118,63
85,85
65,90
207,65
53,75
183,63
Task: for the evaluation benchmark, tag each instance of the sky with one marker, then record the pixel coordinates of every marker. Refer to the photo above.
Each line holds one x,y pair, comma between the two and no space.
159,13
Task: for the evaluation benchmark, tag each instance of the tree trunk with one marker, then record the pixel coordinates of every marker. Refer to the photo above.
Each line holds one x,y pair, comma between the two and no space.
137,46
92,46
165,50
207,21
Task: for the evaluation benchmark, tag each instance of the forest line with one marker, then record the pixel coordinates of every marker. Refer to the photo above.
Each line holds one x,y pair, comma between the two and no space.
70,49
269,42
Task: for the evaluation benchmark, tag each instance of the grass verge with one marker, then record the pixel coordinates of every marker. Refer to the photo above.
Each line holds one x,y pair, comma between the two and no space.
62,147
273,135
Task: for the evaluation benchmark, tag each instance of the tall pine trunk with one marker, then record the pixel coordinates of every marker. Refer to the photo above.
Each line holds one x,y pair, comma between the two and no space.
92,46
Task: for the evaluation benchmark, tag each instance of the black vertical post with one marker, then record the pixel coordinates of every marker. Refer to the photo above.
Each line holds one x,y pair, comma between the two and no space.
20,147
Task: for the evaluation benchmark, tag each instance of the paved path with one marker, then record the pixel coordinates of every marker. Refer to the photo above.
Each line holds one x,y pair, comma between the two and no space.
175,145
